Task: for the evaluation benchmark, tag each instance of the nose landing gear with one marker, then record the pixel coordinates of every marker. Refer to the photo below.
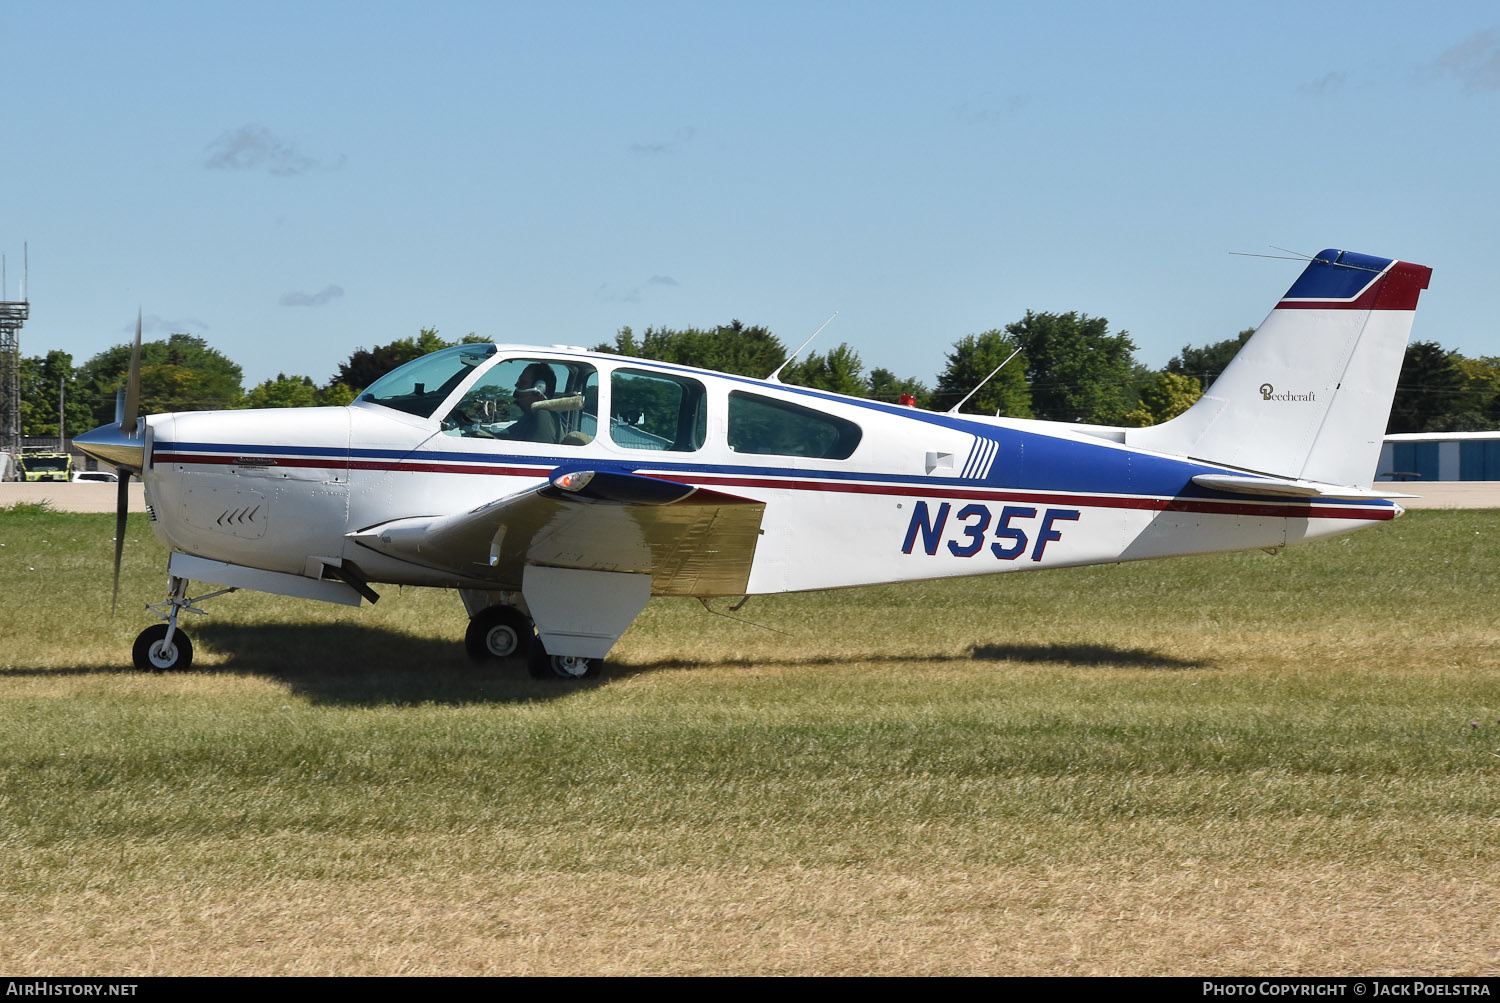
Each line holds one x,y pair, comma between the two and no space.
163,647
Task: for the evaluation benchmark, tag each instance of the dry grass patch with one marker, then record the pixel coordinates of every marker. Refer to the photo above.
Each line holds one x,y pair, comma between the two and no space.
1242,763
1179,918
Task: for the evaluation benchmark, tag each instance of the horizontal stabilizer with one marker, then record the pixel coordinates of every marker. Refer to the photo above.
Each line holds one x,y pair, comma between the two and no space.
1285,488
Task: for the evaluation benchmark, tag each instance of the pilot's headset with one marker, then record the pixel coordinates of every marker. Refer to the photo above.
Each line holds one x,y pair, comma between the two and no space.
539,381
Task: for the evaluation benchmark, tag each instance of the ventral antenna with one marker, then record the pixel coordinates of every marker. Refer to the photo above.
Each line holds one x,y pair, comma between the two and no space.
971,393
776,376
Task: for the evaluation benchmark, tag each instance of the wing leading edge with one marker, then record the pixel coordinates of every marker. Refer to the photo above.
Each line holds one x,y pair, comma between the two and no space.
690,540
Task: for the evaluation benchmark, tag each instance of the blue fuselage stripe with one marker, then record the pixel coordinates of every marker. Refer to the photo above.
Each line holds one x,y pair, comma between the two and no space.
1075,468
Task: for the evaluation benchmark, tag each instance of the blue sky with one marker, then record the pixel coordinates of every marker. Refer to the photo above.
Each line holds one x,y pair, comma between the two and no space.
292,181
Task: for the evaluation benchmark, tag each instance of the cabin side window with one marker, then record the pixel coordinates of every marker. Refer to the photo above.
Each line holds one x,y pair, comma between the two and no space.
550,401
657,411
766,425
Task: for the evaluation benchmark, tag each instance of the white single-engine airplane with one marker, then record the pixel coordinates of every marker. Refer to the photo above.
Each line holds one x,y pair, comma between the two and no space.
558,489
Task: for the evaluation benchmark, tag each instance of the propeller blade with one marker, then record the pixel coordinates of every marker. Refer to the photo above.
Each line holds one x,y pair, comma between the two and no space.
133,384
122,508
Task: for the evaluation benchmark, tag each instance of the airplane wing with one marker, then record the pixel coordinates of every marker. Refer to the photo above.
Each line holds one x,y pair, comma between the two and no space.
690,540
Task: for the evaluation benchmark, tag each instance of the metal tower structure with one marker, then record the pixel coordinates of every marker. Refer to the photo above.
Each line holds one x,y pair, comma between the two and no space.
13,314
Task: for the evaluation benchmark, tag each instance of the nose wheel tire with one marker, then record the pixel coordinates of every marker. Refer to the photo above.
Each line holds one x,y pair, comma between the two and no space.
498,632
562,667
152,653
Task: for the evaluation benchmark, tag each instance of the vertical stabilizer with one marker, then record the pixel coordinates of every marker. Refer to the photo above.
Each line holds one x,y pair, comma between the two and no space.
1310,393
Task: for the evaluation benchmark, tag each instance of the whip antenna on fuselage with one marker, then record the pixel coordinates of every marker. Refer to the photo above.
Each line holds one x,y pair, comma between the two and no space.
971,393
774,377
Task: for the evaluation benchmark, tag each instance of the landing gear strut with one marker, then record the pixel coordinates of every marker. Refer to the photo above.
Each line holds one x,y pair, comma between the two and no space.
162,647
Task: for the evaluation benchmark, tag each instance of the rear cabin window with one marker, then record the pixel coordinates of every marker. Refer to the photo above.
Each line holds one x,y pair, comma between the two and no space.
766,425
657,411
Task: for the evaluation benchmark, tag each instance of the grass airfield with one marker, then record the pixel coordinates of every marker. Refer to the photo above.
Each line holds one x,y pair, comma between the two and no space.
1245,763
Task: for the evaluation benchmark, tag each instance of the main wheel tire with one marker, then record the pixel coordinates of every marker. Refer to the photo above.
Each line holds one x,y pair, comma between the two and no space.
151,653
570,667
498,632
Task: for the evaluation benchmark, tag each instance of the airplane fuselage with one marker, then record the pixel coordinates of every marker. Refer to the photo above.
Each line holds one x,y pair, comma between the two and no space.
898,493
558,489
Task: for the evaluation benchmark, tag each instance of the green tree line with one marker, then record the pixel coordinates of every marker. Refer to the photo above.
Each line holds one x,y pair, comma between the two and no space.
1061,367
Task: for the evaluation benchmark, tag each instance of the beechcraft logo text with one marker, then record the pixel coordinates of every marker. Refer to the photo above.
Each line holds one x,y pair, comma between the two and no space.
1268,393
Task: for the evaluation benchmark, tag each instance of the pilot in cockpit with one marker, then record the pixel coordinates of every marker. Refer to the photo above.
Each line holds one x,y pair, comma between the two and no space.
530,412
536,384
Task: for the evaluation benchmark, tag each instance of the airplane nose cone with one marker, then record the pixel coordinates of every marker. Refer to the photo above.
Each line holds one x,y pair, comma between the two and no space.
108,444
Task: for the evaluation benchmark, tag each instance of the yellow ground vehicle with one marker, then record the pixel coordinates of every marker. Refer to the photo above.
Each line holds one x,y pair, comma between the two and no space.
46,466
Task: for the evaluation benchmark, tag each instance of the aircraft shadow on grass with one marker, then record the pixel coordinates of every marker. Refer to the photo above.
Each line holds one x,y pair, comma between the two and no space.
1094,655
1091,655
346,664
356,665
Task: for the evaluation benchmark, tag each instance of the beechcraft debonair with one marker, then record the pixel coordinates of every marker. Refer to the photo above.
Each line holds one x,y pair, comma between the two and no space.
558,490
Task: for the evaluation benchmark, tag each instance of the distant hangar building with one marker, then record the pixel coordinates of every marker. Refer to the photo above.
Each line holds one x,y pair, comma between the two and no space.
1440,456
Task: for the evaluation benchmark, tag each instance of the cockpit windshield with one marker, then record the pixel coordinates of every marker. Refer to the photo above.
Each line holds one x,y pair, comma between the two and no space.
421,385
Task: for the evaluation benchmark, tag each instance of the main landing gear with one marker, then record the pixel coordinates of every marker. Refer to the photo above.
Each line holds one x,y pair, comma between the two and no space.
499,632
570,667
502,631
163,647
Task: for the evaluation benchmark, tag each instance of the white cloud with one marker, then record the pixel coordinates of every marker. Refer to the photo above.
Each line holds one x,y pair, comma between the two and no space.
1326,84
681,138
152,323
254,147
1475,61
325,295
990,114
